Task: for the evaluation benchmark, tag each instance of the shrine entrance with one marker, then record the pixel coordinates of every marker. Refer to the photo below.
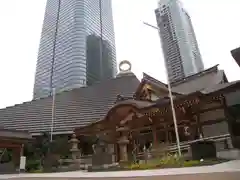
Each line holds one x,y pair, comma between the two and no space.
134,125
11,149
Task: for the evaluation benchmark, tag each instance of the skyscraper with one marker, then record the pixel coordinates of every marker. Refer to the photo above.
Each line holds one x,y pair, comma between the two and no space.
179,44
77,45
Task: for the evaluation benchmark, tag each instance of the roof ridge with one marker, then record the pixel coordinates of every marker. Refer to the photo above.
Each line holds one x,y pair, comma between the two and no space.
206,71
148,77
70,90
236,55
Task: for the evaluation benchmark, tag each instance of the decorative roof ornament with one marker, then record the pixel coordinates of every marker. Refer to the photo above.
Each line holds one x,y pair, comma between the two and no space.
125,63
125,68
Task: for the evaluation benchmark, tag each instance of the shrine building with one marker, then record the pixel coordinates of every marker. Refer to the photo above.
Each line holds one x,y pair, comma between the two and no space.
130,114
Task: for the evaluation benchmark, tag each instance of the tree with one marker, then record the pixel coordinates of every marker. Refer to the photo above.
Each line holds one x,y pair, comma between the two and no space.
43,153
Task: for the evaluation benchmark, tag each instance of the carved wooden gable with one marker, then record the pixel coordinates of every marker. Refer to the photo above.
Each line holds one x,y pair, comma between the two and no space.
151,89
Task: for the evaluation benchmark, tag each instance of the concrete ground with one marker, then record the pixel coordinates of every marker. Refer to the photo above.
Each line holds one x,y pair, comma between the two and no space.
225,171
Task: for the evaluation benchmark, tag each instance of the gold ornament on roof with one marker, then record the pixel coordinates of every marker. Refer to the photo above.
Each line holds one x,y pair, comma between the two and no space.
123,64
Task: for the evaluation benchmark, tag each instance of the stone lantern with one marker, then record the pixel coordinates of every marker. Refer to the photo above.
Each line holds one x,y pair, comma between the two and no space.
123,142
74,147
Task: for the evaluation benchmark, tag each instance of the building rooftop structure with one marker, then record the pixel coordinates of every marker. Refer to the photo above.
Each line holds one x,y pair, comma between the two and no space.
204,79
14,134
74,108
83,106
236,55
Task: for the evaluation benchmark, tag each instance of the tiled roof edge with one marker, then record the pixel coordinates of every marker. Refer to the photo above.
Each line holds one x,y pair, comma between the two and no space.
209,70
67,91
236,55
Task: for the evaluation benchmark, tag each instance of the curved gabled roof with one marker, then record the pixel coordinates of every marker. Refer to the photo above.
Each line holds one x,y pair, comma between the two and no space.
14,134
76,108
236,55
199,81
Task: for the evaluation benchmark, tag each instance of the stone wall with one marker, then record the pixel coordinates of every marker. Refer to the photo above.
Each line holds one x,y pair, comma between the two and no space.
213,127
217,129
233,98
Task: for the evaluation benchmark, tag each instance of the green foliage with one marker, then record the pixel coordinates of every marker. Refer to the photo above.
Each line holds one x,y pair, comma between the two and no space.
43,154
191,163
33,165
36,171
51,163
6,155
60,146
169,161
164,162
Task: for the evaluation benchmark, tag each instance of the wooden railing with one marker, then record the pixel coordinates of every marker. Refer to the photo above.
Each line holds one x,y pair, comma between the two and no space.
212,138
172,148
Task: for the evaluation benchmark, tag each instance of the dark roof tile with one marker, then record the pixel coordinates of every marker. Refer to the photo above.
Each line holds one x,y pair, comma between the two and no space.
219,87
75,108
6,133
200,81
236,55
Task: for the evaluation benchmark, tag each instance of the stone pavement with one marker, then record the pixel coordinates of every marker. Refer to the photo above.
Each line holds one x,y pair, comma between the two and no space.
225,171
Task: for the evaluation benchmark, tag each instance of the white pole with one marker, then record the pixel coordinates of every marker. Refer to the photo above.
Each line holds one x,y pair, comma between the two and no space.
53,114
171,99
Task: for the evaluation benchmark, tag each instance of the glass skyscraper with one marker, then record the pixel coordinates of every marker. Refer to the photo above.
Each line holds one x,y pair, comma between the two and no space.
77,46
179,44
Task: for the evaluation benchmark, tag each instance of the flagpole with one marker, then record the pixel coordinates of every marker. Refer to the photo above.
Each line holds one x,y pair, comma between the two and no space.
171,99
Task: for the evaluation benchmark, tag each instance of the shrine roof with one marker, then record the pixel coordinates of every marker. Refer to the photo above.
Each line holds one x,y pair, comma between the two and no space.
209,77
197,82
236,55
162,102
221,87
180,100
147,79
215,88
14,134
83,106
74,108
137,103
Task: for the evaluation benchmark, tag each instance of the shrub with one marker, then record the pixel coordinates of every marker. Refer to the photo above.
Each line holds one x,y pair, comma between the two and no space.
191,163
169,161
32,165
37,171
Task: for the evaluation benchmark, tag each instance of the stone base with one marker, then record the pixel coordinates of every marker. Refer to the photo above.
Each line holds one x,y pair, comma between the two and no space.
230,154
22,170
70,167
105,167
123,163
203,150
8,168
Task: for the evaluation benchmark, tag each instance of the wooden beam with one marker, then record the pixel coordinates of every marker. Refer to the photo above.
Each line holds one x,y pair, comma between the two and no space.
9,145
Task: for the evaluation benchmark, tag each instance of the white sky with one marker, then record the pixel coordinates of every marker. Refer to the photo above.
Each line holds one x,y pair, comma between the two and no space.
216,23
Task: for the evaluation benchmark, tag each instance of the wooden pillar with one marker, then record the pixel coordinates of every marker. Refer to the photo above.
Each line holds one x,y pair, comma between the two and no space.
116,152
16,156
170,137
166,134
17,152
22,150
136,140
155,138
199,126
